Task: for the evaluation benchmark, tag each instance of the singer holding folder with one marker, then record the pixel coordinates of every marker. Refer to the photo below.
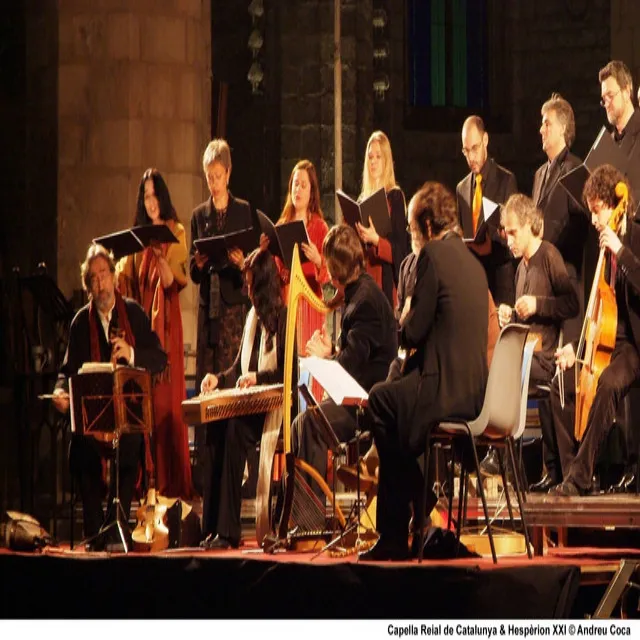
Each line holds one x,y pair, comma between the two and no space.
384,254
154,277
303,203
222,302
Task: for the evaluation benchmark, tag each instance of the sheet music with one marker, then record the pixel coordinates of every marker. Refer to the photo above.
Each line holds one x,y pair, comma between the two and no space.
97,367
488,208
334,379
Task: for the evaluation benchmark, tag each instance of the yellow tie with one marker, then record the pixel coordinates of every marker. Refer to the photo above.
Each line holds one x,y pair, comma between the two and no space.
477,203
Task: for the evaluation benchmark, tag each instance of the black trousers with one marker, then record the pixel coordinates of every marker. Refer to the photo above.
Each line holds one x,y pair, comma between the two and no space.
550,453
212,456
308,444
85,464
613,385
400,479
242,435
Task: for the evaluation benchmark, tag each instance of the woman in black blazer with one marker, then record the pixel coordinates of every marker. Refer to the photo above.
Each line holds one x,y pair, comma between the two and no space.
223,303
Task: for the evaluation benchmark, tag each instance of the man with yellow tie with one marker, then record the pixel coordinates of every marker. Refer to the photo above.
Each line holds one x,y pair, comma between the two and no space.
489,180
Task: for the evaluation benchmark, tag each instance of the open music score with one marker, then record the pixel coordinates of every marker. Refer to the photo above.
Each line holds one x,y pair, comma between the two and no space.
334,379
229,403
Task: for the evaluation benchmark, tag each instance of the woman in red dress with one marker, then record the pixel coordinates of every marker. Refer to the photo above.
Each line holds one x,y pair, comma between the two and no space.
154,278
303,203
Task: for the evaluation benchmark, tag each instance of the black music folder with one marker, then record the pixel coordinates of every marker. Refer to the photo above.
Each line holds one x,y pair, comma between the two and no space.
269,229
283,237
129,241
374,208
217,247
603,151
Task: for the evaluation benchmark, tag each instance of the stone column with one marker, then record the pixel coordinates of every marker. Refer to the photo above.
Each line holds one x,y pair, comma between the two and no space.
307,99
134,91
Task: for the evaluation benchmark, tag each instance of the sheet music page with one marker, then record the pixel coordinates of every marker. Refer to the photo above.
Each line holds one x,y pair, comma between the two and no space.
488,208
97,367
333,378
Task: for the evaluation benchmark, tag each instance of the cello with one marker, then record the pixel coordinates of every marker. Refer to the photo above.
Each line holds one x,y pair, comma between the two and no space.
598,335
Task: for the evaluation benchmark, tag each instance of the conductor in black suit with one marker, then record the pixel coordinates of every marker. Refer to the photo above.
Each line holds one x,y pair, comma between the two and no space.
486,179
445,374
90,341
565,222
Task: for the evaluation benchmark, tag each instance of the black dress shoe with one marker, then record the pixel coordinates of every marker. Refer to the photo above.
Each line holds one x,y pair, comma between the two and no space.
544,485
217,543
566,489
384,551
626,484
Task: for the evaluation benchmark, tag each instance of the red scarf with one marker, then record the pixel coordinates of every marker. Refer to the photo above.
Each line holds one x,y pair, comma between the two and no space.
123,320
157,302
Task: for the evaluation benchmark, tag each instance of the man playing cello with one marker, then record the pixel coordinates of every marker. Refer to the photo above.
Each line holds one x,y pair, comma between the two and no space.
605,197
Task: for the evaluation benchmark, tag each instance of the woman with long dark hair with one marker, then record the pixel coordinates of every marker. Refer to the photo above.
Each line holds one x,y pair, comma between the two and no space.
154,278
260,360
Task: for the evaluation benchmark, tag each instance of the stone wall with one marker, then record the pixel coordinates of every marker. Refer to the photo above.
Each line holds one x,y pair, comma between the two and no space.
133,92
550,46
625,36
307,92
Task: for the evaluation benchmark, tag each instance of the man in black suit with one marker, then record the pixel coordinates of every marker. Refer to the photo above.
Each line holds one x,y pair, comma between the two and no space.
90,341
565,223
616,91
445,373
366,346
486,179
565,226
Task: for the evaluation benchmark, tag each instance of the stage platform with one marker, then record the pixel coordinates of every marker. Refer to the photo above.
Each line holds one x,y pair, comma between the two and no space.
605,512
246,583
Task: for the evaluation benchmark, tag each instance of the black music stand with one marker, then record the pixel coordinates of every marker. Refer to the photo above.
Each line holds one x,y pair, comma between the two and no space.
356,510
120,521
327,433
129,409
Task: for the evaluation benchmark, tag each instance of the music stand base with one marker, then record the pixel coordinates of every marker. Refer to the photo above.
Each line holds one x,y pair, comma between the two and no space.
120,523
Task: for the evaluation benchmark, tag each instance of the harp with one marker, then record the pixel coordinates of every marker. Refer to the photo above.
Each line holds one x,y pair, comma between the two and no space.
298,510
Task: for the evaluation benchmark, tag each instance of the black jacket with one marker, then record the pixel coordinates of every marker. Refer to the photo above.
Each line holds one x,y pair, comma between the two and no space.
368,339
148,354
446,329
565,223
498,184
202,226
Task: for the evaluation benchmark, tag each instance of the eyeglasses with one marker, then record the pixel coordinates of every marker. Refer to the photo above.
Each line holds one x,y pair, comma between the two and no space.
608,97
474,150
